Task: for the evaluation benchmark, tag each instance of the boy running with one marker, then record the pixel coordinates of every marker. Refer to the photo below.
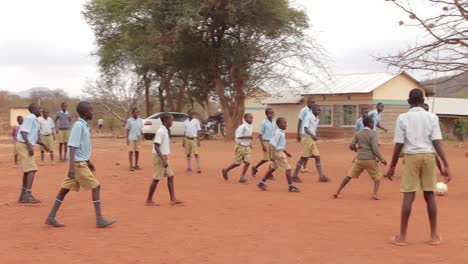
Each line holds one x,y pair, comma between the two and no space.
376,115
305,111
161,152
419,132
80,171
14,137
47,130
266,133
367,158
278,143
359,121
309,145
64,122
191,142
28,137
243,148
134,128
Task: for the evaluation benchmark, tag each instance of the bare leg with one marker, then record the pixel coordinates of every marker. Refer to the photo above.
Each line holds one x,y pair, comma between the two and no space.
322,178
28,197
65,149
16,160
245,169
170,186
375,196
60,152
23,187
408,199
130,159
100,221
53,212
342,185
255,167
152,189
295,176
137,158
52,156
189,162
432,213
197,161
262,184
42,156
226,170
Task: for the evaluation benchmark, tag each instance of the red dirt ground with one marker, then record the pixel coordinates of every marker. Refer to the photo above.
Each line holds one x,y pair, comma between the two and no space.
225,222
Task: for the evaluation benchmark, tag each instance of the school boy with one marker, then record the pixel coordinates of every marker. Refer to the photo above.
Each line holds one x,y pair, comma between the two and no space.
134,128
47,131
303,113
359,121
376,115
63,123
266,133
14,137
191,142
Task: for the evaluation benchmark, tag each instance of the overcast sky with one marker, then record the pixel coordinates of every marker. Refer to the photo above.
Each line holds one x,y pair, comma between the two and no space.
47,43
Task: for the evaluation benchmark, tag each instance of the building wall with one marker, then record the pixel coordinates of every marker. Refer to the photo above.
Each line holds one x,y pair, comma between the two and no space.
14,112
397,89
389,117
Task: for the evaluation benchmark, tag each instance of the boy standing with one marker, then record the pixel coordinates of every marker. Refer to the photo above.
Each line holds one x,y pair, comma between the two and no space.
367,158
47,130
14,137
376,115
80,171
191,143
28,137
243,149
359,121
420,133
309,145
266,133
161,151
278,143
134,128
63,120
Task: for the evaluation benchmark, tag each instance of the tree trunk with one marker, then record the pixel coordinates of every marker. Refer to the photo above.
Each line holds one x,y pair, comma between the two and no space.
181,96
147,82
161,97
167,89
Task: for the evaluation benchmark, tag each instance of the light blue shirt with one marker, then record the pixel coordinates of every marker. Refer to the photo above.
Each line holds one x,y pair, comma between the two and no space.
359,124
302,116
278,141
376,116
135,128
80,139
31,126
267,129
311,122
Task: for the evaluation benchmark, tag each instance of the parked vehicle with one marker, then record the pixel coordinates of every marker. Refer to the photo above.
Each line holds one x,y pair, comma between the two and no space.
152,123
213,126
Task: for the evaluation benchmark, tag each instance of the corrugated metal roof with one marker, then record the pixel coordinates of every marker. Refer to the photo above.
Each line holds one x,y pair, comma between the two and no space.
283,98
350,83
448,106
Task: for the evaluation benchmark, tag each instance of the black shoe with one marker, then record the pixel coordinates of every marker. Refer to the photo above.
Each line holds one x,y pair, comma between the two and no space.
324,179
262,186
293,188
242,180
103,223
52,222
296,179
225,175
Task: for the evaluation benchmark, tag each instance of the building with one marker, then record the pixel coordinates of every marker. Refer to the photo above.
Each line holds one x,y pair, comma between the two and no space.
449,111
15,112
341,98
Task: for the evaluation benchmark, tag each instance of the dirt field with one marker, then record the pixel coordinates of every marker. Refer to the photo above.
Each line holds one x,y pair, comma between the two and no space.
225,222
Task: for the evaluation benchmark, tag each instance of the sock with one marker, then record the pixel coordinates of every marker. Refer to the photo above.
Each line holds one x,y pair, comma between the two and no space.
197,160
263,182
319,169
189,163
55,208
97,207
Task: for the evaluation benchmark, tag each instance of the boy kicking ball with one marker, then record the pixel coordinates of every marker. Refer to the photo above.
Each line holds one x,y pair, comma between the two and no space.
161,151
278,142
419,132
367,158
80,172
243,148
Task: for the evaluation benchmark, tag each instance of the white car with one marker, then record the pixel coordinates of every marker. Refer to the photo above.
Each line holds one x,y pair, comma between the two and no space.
153,122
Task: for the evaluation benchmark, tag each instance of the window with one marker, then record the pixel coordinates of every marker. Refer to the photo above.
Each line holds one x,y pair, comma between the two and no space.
344,115
179,117
325,115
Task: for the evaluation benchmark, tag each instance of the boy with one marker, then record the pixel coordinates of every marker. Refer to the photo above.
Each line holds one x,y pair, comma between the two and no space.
420,133
359,121
100,124
134,128
305,111
243,148
278,143
266,133
14,137
63,123
47,130
367,158
80,171
376,115
28,137
191,143
161,151
309,145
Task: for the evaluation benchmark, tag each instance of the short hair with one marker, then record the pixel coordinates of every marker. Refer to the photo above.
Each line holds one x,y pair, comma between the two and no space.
134,109
364,110
310,98
368,121
82,107
18,117
64,103
416,96
279,120
32,106
246,115
315,107
165,117
268,109
379,103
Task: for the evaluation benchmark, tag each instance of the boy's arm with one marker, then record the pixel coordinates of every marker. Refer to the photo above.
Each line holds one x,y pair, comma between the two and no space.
308,132
71,167
440,152
395,157
381,127
352,145
287,153
375,149
299,123
439,166
91,165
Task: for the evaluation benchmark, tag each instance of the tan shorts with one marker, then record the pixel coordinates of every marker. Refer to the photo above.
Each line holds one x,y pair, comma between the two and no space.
309,147
63,135
418,173
268,153
48,141
371,166
134,145
27,162
242,154
159,170
191,146
279,161
84,177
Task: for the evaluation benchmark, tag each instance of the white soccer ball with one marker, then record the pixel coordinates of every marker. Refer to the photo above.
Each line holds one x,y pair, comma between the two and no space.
441,188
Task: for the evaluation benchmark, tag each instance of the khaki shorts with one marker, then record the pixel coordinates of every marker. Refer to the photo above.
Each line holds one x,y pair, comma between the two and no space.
134,145
242,154
279,161
309,147
63,135
191,146
159,170
27,162
268,154
418,173
84,177
48,141
371,166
